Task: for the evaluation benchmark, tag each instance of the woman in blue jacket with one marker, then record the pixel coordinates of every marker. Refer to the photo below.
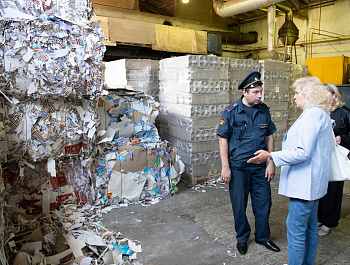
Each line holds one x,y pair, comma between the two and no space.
304,162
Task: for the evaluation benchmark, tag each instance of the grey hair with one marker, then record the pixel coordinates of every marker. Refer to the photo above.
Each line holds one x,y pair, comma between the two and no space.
338,100
313,90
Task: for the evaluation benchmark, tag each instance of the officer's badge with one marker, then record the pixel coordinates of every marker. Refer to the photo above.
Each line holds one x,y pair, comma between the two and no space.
222,122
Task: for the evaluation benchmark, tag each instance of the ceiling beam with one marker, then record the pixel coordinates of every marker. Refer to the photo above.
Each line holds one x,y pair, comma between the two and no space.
152,9
165,4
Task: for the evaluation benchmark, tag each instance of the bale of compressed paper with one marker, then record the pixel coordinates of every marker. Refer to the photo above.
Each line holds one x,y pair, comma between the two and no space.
42,128
51,58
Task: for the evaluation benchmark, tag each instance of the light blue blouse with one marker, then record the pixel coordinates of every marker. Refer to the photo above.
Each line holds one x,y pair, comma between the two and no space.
305,156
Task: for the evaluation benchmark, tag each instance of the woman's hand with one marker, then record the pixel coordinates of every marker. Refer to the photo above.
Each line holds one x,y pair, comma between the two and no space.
338,139
260,156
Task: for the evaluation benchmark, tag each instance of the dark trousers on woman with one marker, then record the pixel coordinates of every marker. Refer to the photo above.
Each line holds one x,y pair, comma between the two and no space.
329,206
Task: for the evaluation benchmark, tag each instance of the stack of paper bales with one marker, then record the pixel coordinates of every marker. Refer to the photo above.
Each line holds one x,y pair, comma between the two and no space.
135,163
50,81
44,60
296,71
193,95
278,78
238,70
275,77
141,74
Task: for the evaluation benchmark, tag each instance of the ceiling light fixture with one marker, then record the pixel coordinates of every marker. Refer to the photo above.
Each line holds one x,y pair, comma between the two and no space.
185,1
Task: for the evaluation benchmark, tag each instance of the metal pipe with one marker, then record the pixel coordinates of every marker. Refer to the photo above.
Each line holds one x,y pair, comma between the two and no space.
305,43
287,10
311,36
295,3
235,7
271,25
239,38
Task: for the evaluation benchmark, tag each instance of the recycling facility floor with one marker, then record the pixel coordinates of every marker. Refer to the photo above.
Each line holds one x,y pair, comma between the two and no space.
196,227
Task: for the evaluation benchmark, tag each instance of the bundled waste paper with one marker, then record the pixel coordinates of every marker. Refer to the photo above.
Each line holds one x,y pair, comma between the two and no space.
70,150
39,129
132,166
50,58
73,10
134,161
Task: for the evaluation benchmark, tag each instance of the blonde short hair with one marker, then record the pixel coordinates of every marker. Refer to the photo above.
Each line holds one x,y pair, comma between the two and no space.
338,100
313,90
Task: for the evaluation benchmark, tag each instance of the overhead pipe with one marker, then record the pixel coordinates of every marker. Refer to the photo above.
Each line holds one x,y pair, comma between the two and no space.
236,7
239,38
271,28
295,3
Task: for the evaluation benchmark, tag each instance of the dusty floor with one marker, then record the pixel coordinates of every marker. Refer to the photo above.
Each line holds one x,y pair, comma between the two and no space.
196,227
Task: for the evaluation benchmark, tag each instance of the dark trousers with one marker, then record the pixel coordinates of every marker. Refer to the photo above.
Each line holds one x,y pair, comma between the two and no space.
250,180
329,207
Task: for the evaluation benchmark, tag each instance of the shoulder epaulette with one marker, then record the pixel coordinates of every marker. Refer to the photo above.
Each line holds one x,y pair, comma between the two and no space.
262,103
231,107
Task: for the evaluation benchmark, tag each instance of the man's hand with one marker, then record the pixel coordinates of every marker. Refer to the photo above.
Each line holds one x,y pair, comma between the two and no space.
270,171
226,174
260,156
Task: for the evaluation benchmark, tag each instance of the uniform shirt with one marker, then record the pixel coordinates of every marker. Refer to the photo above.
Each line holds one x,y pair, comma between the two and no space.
245,136
305,156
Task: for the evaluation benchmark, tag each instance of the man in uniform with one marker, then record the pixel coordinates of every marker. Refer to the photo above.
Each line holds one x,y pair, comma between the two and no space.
244,128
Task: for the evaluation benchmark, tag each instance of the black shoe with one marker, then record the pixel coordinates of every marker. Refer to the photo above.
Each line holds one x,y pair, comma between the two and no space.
269,245
242,248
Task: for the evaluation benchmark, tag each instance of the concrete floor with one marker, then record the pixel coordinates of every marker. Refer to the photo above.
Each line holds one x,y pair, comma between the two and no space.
196,227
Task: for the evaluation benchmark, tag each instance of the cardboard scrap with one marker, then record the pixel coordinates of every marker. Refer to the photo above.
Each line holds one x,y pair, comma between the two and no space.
90,242
178,39
137,167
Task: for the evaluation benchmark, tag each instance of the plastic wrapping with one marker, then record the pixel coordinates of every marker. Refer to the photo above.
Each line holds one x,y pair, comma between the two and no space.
194,86
193,74
194,91
196,159
192,111
190,123
141,74
195,99
195,61
209,170
192,135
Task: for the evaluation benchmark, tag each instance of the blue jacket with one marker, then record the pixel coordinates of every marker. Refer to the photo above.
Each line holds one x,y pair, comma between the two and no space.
245,136
305,156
